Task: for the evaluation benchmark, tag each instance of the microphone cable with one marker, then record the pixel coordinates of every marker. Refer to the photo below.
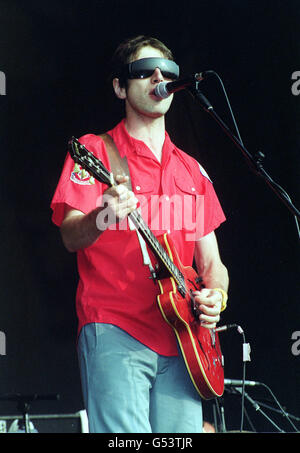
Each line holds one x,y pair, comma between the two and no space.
246,358
210,71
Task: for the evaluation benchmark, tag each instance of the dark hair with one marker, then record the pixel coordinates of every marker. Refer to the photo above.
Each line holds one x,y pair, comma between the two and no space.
128,50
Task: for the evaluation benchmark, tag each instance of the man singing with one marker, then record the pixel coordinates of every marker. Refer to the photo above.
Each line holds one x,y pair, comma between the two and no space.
134,378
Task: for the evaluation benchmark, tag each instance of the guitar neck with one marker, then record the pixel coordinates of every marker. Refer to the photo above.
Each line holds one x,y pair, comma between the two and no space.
158,250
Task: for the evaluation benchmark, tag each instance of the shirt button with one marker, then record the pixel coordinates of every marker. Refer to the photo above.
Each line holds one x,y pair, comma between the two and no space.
138,187
193,189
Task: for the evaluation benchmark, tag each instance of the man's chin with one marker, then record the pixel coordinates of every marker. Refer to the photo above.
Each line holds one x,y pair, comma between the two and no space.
158,111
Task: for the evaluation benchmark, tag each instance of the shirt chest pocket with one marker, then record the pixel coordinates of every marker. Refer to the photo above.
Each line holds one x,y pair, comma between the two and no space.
185,186
189,203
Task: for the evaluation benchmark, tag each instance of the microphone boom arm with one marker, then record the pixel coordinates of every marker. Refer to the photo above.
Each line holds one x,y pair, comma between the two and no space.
254,162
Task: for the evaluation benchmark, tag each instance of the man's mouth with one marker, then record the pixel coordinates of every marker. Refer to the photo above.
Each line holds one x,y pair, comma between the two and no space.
152,93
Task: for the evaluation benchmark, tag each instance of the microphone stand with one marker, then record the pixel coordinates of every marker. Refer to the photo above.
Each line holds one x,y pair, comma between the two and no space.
219,408
258,408
255,162
279,411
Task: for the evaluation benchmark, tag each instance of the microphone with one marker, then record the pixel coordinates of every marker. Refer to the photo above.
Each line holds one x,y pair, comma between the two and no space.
239,383
164,89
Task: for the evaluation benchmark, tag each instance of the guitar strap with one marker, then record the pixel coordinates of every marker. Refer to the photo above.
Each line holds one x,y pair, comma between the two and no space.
119,166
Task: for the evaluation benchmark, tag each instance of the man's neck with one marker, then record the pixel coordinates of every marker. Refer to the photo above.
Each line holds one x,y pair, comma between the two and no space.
149,130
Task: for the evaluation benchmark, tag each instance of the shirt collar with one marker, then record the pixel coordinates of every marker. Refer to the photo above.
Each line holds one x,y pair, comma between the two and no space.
128,144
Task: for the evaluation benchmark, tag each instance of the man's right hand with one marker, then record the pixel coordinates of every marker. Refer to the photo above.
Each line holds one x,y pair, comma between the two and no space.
81,230
118,201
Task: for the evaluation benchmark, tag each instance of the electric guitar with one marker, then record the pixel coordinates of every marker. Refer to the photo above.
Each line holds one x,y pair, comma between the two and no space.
200,346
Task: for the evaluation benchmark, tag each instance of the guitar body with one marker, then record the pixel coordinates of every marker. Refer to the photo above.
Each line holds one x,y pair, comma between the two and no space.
200,346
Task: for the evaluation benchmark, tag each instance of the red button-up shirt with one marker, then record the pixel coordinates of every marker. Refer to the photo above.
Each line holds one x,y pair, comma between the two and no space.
176,196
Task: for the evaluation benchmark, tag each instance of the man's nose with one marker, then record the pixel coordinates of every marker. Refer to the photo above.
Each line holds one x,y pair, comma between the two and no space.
157,76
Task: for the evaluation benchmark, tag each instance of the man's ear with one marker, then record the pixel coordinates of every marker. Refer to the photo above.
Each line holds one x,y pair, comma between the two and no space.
120,92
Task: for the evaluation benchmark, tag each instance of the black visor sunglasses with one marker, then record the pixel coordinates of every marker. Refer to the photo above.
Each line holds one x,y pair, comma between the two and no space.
143,68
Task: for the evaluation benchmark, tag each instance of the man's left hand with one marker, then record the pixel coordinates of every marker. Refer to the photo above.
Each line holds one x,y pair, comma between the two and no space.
208,302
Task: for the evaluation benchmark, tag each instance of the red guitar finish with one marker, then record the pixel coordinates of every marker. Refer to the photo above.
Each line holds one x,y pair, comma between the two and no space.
199,346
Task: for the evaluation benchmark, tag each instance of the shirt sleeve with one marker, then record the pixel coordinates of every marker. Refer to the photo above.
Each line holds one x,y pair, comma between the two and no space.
209,211
76,188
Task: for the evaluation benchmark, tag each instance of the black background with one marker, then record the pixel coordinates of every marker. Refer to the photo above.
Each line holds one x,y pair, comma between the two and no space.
55,57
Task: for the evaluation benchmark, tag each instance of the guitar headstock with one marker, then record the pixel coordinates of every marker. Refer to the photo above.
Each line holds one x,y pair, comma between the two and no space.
89,162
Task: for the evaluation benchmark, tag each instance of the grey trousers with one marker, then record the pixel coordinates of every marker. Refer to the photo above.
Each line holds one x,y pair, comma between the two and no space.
128,388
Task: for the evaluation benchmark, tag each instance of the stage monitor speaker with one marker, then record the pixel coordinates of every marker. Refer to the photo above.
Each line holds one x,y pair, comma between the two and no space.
48,423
